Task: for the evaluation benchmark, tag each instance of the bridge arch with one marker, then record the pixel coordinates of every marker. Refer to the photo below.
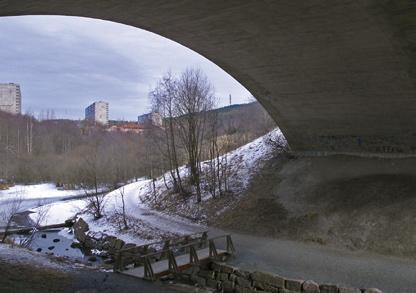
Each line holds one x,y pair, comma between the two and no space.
335,75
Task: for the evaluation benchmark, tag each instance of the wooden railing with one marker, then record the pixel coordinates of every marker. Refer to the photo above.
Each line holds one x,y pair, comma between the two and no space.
131,255
191,248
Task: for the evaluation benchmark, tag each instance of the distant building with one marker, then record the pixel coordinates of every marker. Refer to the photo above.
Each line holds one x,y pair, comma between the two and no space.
10,98
126,127
97,112
150,119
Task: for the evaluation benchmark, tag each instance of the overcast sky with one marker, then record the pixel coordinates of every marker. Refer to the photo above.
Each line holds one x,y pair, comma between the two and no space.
66,63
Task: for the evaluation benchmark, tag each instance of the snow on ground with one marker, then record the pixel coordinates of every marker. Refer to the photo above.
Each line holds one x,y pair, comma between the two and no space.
37,191
18,255
244,161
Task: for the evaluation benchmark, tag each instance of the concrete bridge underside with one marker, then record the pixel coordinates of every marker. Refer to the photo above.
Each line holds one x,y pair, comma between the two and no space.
336,75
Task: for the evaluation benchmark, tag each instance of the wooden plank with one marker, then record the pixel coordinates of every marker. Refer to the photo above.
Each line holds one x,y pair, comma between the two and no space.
161,268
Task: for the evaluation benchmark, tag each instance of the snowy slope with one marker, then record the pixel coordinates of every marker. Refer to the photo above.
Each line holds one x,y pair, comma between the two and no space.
244,161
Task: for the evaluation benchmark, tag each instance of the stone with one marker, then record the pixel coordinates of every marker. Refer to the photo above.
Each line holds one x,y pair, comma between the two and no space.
373,290
201,282
228,286
129,246
294,285
259,285
51,247
328,288
223,276
92,258
212,283
118,244
268,278
39,249
242,282
43,236
56,240
80,229
228,269
207,274
239,289
310,287
349,290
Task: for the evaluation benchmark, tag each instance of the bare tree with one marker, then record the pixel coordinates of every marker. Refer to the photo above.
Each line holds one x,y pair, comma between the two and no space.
91,168
163,98
194,98
8,214
123,208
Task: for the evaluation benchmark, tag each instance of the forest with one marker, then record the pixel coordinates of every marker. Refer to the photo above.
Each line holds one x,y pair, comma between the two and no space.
75,153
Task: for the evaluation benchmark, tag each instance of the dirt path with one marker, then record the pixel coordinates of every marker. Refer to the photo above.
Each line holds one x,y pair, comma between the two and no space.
324,264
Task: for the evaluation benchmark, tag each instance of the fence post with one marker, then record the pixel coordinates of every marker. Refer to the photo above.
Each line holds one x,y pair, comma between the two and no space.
230,245
118,266
173,266
165,247
193,256
212,249
148,270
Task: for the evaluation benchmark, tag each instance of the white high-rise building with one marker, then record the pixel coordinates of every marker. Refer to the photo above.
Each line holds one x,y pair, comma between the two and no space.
10,98
97,112
151,119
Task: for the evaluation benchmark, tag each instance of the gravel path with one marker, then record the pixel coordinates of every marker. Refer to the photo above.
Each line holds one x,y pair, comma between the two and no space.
324,264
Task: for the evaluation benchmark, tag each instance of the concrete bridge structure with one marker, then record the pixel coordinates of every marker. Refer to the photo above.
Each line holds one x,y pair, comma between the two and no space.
336,75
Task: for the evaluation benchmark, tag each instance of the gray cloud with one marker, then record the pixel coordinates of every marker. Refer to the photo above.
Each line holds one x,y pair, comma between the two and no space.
65,63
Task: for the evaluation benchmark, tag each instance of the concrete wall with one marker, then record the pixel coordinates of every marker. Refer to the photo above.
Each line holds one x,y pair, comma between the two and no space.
336,75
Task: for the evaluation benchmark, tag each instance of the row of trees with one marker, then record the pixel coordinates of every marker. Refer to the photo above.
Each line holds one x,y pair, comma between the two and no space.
75,153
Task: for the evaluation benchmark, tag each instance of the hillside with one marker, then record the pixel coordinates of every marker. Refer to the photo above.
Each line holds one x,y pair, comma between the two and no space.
348,202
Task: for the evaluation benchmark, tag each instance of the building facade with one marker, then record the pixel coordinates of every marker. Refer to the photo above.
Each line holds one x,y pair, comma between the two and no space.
10,98
150,119
97,112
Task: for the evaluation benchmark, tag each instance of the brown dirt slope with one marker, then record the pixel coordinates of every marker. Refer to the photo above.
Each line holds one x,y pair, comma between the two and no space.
350,202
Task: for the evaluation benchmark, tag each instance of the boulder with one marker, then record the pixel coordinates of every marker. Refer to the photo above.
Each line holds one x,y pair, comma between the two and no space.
310,287
80,229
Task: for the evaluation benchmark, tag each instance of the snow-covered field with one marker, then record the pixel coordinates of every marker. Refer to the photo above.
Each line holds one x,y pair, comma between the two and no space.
244,163
37,191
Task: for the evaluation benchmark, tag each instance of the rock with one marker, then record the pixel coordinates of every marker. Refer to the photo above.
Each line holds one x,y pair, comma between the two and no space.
212,284
373,290
56,240
268,278
294,285
39,249
118,244
109,261
75,245
92,258
243,282
51,247
43,236
349,290
80,228
327,288
129,245
228,287
310,287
